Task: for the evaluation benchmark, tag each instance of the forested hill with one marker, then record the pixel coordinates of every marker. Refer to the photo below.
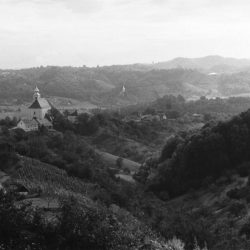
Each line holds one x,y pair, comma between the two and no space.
103,85
212,63
207,64
191,161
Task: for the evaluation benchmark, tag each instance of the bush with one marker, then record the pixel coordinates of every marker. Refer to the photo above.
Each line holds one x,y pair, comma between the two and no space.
78,226
126,170
163,195
244,169
8,159
238,193
237,209
169,148
22,148
245,230
119,162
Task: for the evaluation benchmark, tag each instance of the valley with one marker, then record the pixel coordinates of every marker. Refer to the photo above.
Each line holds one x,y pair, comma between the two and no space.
146,158
124,125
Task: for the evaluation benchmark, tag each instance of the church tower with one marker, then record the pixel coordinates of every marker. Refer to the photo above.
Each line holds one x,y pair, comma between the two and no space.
39,107
36,94
123,91
33,117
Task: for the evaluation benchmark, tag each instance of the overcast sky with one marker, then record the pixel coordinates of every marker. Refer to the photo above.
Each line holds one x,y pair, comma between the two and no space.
104,32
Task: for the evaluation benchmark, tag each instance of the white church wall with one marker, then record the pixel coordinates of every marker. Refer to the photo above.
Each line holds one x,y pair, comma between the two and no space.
35,113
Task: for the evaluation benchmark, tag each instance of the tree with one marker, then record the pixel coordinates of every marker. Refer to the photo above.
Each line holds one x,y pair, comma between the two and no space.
169,148
86,124
37,146
19,134
119,162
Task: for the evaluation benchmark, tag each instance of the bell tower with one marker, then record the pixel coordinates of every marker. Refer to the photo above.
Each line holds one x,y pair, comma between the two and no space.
36,94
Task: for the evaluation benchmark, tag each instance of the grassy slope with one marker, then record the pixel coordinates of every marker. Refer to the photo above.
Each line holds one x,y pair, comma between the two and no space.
112,159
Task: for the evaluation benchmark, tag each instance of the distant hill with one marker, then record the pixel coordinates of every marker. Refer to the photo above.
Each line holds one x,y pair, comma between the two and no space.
102,85
211,76
208,64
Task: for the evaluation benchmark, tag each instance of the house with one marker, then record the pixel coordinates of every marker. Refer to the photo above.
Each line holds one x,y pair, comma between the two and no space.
162,116
132,117
34,124
147,118
150,118
28,125
44,123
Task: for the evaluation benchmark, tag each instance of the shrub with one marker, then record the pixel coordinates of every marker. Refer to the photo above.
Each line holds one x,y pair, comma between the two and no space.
238,193
163,195
169,148
244,169
119,162
245,230
8,159
237,208
126,170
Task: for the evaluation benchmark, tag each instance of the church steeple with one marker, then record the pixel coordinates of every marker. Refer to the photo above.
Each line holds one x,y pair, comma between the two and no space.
36,94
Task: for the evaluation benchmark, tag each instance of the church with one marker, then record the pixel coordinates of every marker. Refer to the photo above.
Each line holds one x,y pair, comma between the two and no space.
33,117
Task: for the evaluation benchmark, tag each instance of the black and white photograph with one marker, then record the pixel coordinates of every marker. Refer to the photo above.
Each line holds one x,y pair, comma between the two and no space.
124,124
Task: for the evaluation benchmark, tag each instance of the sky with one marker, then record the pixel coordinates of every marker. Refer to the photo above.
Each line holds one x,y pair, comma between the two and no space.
106,32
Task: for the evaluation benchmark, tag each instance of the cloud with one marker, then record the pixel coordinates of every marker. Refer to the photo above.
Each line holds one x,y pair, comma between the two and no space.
83,6
77,6
77,32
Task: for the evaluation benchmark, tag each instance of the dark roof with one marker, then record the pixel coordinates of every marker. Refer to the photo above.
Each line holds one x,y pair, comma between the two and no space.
40,103
35,105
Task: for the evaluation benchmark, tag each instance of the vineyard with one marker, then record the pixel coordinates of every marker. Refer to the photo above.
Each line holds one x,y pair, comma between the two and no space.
48,180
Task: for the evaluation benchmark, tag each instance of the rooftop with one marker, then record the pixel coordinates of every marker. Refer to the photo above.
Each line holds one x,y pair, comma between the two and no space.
40,103
28,122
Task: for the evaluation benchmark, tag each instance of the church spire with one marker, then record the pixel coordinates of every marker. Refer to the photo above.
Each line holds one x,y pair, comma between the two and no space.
36,93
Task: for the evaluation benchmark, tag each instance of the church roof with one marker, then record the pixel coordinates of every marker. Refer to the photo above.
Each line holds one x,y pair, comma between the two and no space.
40,103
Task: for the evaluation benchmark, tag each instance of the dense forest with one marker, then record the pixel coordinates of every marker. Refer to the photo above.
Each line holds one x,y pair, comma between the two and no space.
188,162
